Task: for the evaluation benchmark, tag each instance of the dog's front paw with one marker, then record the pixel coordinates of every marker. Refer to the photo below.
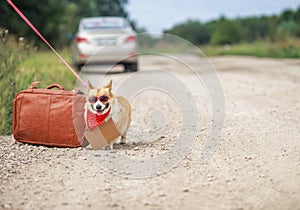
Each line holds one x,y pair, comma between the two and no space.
110,146
123,140
89,147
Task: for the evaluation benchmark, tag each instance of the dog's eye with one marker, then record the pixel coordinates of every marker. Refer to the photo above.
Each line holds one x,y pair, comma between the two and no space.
93,99
103,98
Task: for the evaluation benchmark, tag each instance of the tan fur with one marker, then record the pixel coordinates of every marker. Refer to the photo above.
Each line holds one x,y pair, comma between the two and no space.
125,115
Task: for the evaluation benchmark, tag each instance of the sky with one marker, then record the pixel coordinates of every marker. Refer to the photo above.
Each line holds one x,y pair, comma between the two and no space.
158,15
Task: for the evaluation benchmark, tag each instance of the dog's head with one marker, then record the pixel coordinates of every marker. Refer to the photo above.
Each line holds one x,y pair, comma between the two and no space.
99,100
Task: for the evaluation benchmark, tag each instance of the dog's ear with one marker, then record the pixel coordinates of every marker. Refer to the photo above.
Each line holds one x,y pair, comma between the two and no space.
90,86
109,85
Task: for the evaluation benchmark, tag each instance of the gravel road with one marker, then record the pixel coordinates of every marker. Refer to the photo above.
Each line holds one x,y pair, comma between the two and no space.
254,162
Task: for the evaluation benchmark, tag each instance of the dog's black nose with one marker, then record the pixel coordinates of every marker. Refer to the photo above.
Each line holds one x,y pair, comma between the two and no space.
98,107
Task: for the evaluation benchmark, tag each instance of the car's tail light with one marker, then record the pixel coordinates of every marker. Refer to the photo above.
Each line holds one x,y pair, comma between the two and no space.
82,56
132,54
81,39
130,39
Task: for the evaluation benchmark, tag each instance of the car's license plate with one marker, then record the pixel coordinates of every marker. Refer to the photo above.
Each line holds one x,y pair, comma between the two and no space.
106,41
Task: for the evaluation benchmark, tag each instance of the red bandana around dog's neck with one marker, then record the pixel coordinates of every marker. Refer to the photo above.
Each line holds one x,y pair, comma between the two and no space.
94,120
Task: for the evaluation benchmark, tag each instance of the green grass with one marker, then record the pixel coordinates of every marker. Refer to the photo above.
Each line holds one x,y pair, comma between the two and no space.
20,66
286,49
46,68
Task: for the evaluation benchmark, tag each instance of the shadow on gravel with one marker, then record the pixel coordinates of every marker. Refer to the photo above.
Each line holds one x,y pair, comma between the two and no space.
132,146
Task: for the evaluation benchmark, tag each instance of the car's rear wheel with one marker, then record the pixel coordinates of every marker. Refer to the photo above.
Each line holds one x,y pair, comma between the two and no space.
79,66
131,67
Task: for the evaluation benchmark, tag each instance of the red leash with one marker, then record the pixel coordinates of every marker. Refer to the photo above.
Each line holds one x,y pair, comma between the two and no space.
40,35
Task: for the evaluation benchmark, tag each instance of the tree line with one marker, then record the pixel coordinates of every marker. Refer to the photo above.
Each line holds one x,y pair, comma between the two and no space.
56,19
229,31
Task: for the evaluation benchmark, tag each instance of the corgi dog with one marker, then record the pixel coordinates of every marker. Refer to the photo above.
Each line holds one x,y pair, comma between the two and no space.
101,104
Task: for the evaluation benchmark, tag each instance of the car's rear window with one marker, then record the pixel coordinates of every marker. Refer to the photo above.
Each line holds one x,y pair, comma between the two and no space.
104,24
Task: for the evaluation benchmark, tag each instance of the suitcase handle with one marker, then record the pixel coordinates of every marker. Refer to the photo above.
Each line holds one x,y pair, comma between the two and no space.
55,86
34,84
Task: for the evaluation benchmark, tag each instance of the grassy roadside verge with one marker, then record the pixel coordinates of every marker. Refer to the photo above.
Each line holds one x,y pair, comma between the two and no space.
46,67
20,65
286,49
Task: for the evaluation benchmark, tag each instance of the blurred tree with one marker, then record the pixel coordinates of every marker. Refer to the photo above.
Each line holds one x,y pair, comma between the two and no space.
288,24
45,16
297,20
297,15
248,29
111,7
287,29
225,32
192,30
286,15
56,19
254,28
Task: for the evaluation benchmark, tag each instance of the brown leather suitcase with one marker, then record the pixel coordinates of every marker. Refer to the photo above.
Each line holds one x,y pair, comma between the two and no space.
49,116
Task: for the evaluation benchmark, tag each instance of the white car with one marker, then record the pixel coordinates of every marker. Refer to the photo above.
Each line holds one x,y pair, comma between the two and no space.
105,40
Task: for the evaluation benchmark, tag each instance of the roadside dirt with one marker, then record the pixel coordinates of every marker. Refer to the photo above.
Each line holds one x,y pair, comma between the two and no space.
255,163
